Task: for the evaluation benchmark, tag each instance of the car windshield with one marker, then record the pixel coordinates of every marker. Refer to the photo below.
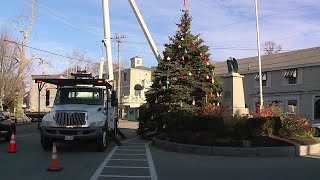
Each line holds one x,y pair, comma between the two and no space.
91,96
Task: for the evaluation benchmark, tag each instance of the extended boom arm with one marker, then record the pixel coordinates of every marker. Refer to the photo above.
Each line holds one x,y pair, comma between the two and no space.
145,29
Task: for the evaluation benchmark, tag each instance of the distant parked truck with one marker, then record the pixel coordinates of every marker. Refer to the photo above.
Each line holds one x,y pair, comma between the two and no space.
36,111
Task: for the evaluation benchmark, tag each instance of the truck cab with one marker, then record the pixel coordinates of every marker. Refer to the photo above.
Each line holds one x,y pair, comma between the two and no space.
80,112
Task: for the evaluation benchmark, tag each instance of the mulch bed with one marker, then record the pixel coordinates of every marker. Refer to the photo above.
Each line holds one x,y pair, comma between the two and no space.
204,139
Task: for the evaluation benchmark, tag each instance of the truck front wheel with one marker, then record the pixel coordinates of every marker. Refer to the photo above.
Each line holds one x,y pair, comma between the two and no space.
102,141
46,144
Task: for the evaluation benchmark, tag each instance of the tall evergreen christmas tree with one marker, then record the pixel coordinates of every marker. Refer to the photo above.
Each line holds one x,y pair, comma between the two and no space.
183,80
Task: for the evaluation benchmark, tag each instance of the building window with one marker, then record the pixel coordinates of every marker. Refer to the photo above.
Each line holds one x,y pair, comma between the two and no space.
317,109
276,103
137,93
138,62
264,78
292,80
293,106
291,75
124,76
138,74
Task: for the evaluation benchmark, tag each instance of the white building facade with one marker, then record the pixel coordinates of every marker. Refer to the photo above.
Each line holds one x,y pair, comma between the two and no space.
289,80
135,81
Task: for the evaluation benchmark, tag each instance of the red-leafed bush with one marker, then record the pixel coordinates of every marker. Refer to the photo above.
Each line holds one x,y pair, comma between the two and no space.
295,125
271,111
211,109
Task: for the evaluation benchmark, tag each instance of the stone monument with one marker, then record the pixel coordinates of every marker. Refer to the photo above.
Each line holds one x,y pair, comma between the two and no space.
233,101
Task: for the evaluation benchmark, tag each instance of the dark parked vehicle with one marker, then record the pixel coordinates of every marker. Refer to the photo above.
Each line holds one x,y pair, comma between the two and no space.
8,113
7,125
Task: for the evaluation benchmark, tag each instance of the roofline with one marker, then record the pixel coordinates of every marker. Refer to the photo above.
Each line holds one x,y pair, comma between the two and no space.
221,65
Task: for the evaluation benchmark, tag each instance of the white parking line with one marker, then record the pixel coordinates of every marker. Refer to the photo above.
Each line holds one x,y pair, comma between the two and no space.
104,163
128,167
128,159
120,151
121,154
119,176
152,169
131,150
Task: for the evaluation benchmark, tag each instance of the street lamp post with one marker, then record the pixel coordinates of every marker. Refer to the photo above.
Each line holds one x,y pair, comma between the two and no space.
259,53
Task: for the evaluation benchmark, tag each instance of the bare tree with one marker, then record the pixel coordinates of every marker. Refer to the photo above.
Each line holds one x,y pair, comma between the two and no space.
271,47
9,63
24,25
24,61
79,61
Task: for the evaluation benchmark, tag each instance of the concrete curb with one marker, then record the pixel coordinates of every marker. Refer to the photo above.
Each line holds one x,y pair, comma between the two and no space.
289,151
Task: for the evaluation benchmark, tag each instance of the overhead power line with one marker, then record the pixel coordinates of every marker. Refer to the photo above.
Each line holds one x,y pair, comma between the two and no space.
211,47
55,15
260,18
53,53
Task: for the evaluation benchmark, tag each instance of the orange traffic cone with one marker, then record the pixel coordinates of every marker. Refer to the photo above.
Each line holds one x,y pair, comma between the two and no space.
12,147
54,160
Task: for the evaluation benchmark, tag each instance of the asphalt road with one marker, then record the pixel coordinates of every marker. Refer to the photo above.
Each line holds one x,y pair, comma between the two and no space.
138,160
79,161
173,166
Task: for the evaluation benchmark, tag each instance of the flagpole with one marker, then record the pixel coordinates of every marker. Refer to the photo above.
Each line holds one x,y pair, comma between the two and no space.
259,53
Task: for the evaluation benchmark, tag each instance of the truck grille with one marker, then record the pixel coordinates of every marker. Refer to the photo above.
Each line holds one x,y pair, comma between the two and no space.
70,118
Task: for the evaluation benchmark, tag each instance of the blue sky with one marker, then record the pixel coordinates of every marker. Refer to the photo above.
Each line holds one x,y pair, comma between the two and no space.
227,27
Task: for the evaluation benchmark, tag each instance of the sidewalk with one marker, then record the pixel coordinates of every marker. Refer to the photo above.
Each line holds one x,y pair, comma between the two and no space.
128,124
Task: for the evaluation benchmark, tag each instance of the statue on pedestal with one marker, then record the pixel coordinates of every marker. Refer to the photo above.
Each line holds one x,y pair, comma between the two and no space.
233,100
232,65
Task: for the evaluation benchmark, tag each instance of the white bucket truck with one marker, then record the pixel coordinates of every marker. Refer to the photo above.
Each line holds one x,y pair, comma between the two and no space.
84,109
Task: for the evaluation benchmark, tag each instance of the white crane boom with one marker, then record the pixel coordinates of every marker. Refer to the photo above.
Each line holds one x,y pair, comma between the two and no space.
107,38
145,29
107,34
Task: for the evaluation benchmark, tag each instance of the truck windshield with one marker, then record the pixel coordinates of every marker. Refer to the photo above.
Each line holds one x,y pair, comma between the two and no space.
89,96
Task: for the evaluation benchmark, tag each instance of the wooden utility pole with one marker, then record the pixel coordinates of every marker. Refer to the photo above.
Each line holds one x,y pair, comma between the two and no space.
119,38
43,64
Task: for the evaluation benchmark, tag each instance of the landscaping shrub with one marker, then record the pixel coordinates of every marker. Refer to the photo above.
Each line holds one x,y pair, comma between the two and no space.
315,132
211,110
257,126
149,121
271,111
249,128
195,123
272,126
270,121
293,125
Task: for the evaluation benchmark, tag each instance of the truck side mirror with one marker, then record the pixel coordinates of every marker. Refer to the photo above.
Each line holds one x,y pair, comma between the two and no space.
47,97
114,101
